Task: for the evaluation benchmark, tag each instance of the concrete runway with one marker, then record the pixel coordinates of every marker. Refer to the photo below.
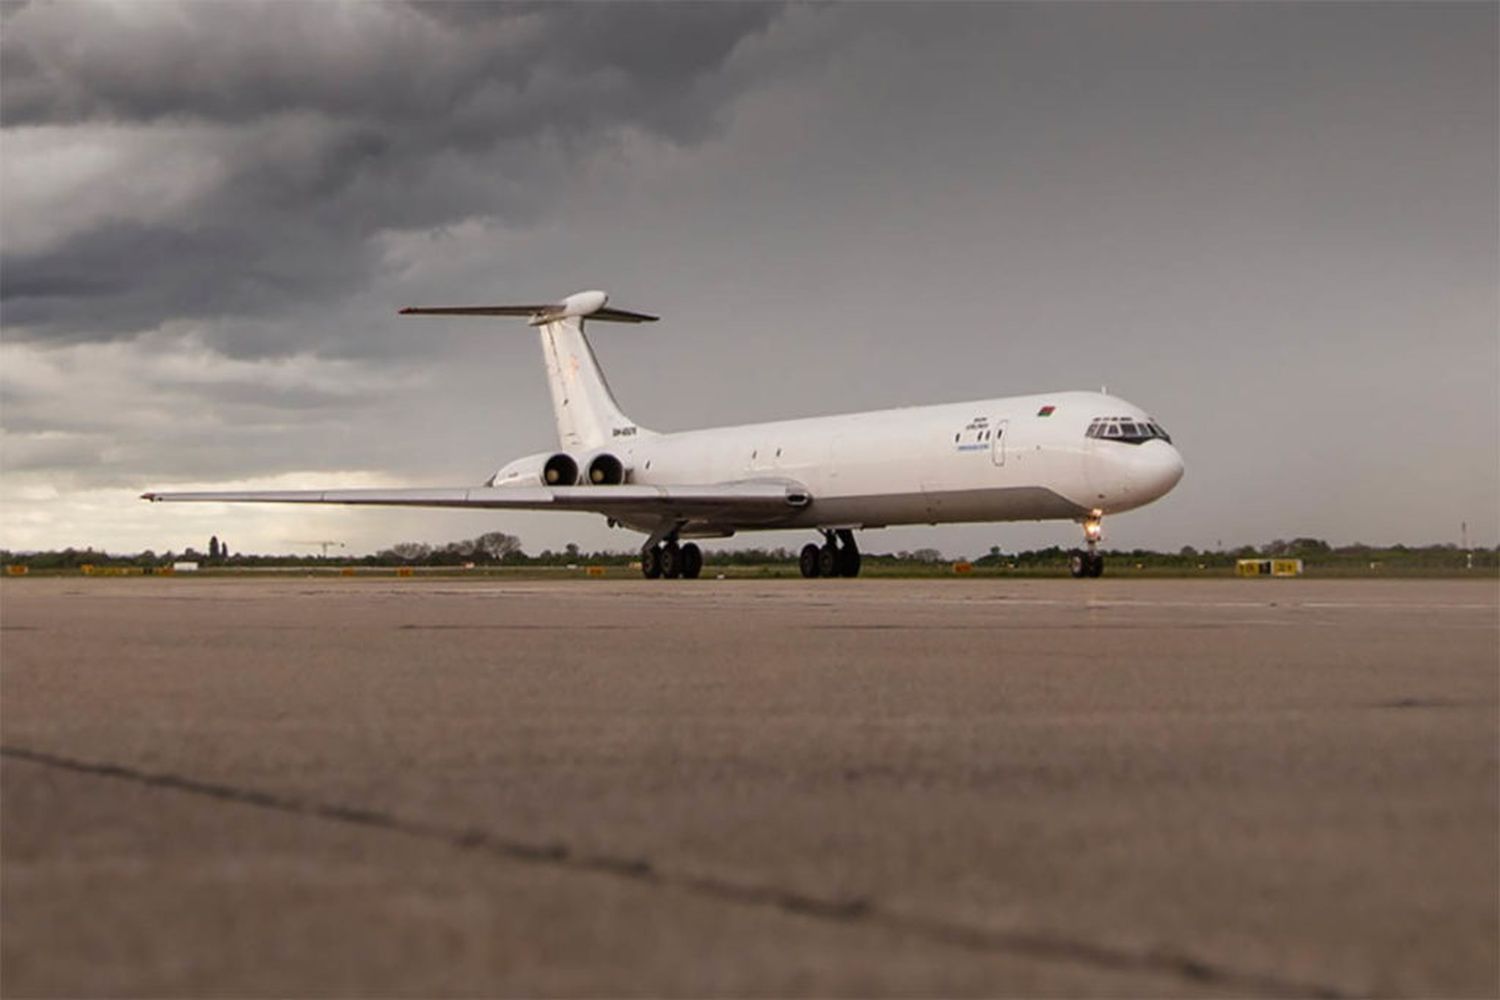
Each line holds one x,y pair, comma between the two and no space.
977,787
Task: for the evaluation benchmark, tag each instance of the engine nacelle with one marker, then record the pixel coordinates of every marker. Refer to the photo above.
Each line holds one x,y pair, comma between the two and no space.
560,470
606,470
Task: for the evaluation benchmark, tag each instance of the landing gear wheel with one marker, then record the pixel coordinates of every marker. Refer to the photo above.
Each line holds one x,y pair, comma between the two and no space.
651,562
1095,565
828,561
1079,564
849,562
692,561
848,554
809,561
671,561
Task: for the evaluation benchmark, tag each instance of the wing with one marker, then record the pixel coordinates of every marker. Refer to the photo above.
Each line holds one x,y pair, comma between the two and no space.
748,502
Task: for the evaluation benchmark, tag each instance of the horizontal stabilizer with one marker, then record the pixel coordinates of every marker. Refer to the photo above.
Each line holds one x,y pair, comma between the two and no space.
584,305
606,314
473,310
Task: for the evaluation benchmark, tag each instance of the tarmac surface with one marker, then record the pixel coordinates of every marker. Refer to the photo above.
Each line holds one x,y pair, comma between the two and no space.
918,787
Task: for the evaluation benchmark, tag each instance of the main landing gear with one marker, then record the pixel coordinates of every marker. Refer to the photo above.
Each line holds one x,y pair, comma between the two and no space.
837,556
1088,563
671,560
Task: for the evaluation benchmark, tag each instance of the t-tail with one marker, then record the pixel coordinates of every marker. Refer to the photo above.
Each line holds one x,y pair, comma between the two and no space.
587,415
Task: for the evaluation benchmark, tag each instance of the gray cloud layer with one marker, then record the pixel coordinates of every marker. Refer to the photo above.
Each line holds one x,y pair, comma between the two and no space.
327,125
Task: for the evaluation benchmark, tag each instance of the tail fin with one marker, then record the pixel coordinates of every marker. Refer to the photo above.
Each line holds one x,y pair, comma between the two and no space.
587,415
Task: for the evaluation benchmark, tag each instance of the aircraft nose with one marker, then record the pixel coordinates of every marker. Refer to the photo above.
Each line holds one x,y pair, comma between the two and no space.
1158,468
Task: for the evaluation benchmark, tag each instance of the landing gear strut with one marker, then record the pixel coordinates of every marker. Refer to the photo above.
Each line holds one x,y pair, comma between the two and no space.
671,560
837,556
1088,563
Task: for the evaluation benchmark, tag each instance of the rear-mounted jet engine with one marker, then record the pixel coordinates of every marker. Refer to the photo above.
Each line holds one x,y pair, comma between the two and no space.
606,470
560,470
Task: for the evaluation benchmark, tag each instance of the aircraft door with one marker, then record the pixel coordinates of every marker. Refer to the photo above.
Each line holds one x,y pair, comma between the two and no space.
997,442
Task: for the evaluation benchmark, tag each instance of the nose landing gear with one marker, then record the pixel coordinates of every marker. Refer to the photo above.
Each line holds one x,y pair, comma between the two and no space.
837,556
1089,563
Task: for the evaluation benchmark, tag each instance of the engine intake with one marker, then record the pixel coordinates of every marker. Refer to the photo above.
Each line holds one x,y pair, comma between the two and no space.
606,470
560,470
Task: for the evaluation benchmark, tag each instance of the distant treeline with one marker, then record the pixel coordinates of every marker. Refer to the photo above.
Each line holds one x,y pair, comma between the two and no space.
499,549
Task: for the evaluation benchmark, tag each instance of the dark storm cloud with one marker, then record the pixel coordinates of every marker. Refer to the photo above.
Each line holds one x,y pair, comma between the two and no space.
387,63
332,124
128,275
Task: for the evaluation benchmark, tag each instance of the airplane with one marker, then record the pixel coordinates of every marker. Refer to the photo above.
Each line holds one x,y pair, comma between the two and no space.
1055,456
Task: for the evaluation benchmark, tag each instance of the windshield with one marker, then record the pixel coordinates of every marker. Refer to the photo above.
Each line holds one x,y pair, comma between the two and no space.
1129,430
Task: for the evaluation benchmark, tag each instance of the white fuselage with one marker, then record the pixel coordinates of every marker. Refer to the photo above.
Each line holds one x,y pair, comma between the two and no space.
1011,459
1055,456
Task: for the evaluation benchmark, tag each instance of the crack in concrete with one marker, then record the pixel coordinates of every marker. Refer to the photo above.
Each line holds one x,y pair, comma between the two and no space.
515,628
853,910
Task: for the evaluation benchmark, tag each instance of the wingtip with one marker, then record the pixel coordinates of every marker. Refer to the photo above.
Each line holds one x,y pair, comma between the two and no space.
149,496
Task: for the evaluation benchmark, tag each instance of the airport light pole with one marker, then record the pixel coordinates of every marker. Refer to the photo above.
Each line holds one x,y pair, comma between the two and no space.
323,544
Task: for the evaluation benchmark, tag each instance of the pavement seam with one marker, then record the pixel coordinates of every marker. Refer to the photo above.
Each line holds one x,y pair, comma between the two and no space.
855,910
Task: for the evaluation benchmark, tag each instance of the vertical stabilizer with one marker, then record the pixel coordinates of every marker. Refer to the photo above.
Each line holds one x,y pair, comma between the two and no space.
587,415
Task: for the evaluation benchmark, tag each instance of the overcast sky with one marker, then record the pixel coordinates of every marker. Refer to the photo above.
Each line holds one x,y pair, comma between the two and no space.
1272,226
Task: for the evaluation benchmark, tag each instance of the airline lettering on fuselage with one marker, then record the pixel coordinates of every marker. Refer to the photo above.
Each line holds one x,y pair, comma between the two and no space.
974,435
624,432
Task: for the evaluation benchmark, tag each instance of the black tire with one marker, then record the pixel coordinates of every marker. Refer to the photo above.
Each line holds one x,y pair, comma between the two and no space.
1096,565
1078,564
692,561
848,554
671,561
808,561
828,561
651,562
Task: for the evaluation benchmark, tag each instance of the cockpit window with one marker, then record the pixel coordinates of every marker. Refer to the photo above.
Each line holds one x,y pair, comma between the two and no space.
1126,429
